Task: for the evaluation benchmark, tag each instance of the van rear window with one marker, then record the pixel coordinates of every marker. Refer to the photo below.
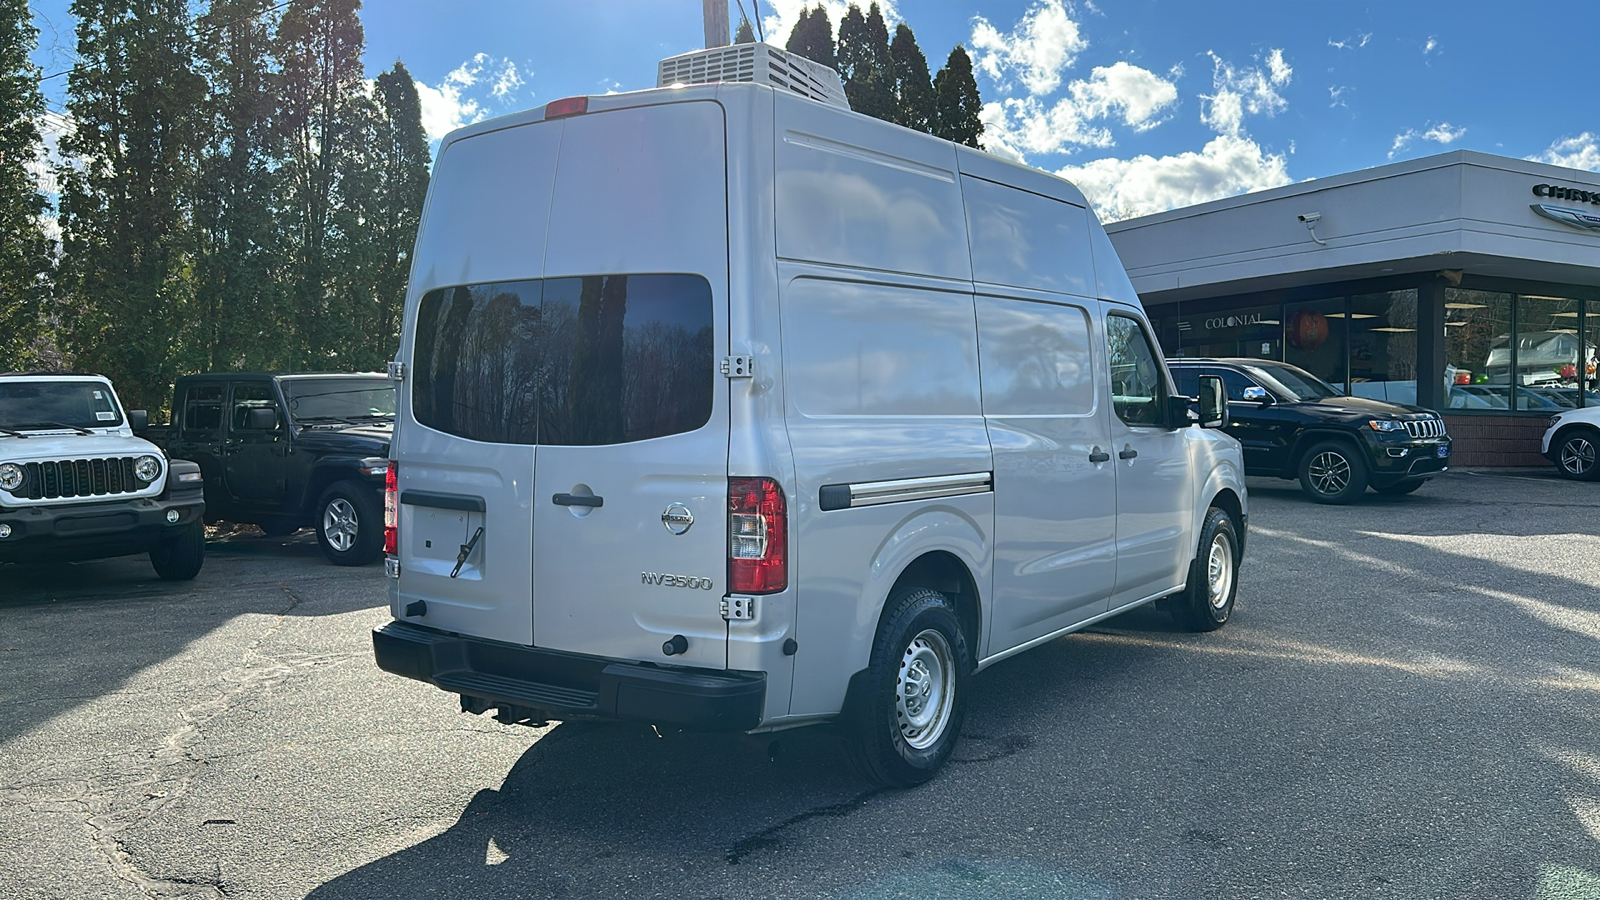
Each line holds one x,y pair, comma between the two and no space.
601,359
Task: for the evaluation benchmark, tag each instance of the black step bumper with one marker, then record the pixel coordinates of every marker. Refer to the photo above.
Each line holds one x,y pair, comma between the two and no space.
566,685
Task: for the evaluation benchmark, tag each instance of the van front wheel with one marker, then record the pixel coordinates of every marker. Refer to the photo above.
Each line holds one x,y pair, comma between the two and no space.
1213,577
907,712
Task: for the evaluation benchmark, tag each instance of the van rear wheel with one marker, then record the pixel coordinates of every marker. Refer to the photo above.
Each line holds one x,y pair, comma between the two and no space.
907,712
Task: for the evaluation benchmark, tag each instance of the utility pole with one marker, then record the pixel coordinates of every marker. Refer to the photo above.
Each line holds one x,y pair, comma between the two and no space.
716,19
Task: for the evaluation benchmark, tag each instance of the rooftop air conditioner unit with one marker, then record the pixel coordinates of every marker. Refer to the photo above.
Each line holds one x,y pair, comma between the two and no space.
757,63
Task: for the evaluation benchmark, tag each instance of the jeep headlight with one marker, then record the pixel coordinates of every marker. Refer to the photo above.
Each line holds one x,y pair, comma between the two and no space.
1387,425
147,469
10,476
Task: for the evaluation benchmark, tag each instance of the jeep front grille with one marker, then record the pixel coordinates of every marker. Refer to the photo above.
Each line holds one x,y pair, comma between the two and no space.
1425,428
79,478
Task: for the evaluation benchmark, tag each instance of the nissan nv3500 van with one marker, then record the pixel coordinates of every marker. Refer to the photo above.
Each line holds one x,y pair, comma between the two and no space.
723,408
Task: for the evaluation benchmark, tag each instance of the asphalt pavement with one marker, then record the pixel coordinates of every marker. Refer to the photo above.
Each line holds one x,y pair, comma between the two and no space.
1406,705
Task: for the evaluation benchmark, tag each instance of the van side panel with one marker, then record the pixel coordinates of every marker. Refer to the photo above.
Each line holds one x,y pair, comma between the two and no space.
881,379
1028,240
893,206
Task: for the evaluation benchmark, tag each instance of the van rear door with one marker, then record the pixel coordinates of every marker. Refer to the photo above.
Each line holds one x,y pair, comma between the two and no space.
630,492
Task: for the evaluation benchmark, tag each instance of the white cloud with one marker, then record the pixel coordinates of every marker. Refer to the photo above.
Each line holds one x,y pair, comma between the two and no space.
1241,92
1045,42
1228,165
783,14
1431,45
1336,95
1355,43
1016,126
449,105
1441,133
1581,152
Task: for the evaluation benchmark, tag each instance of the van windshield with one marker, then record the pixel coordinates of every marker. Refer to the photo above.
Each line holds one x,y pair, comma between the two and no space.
54,405
601,359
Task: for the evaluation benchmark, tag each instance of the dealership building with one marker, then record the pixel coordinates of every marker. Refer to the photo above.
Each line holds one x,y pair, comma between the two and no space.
1465,283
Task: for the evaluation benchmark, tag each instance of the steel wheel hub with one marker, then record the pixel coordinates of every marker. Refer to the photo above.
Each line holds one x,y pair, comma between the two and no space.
339,524
1577,456
925,689
1330,472
1219,570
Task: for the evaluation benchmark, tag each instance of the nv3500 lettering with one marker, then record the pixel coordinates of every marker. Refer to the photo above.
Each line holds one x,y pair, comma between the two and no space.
723,408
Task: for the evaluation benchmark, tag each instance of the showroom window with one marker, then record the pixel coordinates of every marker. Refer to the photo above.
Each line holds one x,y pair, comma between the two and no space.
1314,336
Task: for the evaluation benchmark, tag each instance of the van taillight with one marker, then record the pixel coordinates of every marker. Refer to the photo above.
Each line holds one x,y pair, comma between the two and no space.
391,510
758,532
568,106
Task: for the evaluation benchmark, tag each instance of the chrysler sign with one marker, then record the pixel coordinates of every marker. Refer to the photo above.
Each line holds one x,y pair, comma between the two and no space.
1576,218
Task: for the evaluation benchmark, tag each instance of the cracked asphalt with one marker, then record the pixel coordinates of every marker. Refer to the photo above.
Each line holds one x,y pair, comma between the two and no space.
1406,705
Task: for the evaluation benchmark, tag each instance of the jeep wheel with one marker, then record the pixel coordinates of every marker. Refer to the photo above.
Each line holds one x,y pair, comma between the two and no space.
1332,473
180,555
349,526
1213,577
1576,455
904,722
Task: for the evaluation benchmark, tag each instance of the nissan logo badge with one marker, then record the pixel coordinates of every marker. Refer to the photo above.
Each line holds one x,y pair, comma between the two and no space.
677,518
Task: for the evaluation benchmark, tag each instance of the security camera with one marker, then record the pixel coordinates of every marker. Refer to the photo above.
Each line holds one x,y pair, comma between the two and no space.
1310,218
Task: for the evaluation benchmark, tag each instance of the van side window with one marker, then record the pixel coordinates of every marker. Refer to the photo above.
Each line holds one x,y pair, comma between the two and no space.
601,359
1036,359
1136,389
202,408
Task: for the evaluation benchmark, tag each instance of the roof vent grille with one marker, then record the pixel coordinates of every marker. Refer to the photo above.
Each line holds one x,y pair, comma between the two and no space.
758,64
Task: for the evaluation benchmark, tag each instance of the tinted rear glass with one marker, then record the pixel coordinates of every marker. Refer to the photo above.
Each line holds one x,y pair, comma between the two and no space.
603,359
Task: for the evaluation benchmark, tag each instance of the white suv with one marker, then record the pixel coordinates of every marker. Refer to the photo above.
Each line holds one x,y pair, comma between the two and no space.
1571,442
75,483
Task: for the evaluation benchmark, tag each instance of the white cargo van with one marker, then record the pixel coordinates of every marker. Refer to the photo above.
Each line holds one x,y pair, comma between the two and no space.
722,408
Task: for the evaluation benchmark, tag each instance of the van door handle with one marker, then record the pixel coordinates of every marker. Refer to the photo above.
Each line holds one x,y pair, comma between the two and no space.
1099,456
1127,453
575,500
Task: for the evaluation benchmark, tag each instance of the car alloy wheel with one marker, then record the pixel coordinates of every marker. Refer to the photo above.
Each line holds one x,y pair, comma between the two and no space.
340,524
1577,456
1330,472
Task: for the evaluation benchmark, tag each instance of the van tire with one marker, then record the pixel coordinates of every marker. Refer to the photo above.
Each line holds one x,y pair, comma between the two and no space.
1207,602
180,555
892,741
1333,472
349,525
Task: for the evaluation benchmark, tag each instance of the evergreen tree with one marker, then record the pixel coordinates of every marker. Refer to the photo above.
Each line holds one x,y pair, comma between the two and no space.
864,63
812,37
745,34
323,111
126,279
402,150
239,294
24,249
956,102
913,89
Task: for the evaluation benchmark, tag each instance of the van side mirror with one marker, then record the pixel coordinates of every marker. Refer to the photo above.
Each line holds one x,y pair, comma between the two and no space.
139,420
261,419
1213,403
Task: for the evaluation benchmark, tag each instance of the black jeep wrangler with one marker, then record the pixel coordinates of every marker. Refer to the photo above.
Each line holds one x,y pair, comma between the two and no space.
286,452
1293,424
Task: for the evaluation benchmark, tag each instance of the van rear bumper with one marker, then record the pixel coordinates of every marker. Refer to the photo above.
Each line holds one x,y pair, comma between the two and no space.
566,685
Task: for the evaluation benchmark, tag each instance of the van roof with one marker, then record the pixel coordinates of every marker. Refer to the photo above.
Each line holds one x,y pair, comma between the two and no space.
979,163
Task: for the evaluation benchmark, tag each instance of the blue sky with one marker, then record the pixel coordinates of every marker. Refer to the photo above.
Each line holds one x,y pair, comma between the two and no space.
1146,104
